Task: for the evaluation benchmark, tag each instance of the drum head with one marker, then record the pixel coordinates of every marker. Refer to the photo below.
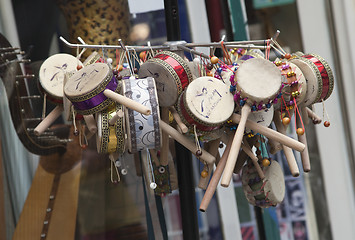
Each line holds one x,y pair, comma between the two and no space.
87,79
53,70
165,78
209,100
275,185
258,80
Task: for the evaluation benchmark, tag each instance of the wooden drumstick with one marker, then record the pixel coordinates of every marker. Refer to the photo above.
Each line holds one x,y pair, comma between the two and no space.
177,118
164,151
271,134
90,123
212,148
119,114
304,155
216,177
205,157
127,102
290,157
47,121
312,115
236,144
246,148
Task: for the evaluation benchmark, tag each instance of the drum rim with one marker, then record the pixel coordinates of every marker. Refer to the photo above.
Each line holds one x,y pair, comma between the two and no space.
316,72
181,61
329,72
103,144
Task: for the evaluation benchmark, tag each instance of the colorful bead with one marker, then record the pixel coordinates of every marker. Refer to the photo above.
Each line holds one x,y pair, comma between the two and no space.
232,88
300,131
214,60
266,162
204,174
326,124
241,102
79,67
286,121
209,66
142,55
287,56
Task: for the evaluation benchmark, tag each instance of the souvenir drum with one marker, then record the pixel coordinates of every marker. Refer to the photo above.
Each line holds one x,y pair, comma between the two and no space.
319,77
171,74
143,131
52,73
110,138
258,86
267,192
85,89
206,103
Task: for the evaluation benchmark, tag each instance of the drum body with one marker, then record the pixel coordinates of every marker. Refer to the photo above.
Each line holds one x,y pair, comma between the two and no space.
267,192
143,131
110,138
319,77
52,73
171,74
85,88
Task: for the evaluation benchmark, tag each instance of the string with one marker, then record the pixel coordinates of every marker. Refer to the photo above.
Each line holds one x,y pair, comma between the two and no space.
282,97
299,114
196,140
113,166
74,122
117,57
324,111
150,167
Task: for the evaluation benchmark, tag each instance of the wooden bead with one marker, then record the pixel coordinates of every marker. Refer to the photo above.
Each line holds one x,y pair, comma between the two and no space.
142,55
287,56
266,162
214,60
300,131
286,121
326,124
119,68
209,73
204,174
79,67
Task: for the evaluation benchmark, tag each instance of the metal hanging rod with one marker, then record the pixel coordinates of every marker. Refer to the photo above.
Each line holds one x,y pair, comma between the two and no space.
179,44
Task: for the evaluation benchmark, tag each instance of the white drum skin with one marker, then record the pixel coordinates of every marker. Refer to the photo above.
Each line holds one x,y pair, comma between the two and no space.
267,192
52,73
